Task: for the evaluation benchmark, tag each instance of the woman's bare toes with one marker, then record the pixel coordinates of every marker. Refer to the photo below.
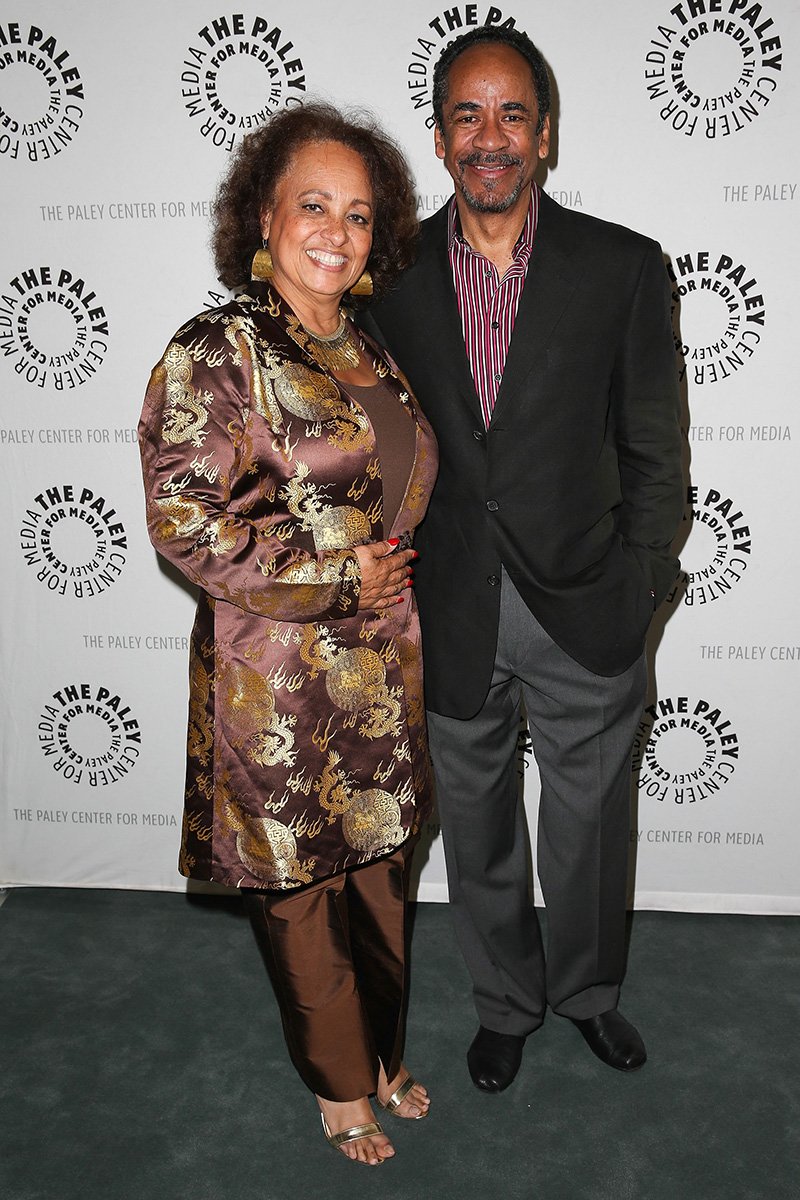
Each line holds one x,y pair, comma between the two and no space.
372,1148
415,1103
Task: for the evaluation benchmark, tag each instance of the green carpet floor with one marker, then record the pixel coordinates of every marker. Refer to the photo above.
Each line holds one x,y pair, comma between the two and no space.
142,1060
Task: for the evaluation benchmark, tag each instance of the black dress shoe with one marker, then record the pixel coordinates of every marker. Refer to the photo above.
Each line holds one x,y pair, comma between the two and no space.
493,1059
613,1039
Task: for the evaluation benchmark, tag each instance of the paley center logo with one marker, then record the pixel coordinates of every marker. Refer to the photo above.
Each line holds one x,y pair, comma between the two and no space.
718,314
717,552
89,735
53,327
238,70
685,750
73,539
443,28
219,296
41,93
713,66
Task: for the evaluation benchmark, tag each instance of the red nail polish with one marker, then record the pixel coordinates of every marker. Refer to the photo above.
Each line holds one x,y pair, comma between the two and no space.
399,600
394,541
415,554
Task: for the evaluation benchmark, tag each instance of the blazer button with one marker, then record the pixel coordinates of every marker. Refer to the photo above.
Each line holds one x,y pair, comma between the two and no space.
493,580
478,434
492,505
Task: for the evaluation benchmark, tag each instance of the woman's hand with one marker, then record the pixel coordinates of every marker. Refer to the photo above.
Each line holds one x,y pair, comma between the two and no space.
385,574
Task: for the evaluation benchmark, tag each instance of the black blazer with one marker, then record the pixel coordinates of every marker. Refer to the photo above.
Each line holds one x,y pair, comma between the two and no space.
575,488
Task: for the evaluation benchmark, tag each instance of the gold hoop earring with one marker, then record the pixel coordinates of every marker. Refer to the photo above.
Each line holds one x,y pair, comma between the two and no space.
362,286
262,267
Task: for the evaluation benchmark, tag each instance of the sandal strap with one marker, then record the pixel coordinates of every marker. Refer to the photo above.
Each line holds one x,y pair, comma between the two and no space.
353,1134
397,1097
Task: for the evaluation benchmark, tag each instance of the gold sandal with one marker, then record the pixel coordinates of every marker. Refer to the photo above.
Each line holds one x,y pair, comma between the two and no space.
353,1134
397,1097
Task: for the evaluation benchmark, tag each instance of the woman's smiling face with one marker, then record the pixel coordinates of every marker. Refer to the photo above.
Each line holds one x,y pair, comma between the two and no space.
319,227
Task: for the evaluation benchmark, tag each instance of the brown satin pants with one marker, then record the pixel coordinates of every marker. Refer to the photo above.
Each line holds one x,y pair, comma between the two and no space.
335,953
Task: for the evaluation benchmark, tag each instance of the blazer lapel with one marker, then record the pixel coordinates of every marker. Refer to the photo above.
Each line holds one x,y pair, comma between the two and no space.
553,273
435,301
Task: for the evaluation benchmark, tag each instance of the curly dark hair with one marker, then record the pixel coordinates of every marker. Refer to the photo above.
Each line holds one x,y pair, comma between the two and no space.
495,35
265,155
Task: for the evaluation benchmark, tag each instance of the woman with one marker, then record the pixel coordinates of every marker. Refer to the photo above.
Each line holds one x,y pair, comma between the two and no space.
286,467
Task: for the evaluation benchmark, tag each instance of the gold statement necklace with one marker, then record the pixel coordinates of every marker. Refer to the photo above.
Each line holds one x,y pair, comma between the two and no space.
338,351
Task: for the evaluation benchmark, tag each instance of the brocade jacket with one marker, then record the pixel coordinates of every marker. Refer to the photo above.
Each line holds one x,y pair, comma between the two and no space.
307,751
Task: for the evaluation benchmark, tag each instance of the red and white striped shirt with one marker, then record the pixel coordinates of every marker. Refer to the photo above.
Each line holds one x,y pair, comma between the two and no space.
487,304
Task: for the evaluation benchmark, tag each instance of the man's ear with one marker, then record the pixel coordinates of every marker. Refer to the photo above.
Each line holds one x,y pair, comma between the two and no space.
438,141
544,138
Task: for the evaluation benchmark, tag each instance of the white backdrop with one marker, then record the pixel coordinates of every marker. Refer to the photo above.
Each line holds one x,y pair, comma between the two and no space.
679,120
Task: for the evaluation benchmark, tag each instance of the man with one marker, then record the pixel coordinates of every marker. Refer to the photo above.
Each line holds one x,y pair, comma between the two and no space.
538,341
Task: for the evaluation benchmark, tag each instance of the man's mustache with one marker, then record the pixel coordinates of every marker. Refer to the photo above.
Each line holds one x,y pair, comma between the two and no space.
475,159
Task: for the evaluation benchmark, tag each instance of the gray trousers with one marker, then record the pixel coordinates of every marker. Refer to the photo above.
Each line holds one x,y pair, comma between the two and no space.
582,728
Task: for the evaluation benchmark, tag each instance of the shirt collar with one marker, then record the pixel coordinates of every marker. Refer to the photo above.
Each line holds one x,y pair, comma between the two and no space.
524,244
